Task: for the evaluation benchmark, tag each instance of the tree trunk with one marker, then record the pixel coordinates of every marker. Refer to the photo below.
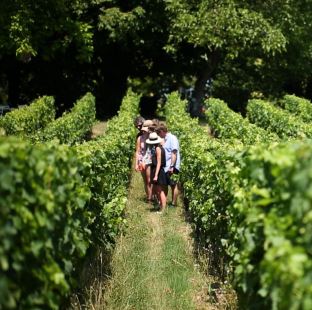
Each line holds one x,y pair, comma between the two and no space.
203,75
112,80
13,78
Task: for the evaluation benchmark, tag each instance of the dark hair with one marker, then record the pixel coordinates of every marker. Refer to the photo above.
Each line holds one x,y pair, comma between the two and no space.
152,128
138,121
155,122
162,127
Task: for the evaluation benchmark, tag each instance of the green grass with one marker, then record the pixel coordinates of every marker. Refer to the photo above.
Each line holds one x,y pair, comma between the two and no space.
178,270
98,129
128,288
152,265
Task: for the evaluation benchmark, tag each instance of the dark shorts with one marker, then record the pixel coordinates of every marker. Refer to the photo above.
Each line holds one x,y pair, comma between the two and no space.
162,177
170,180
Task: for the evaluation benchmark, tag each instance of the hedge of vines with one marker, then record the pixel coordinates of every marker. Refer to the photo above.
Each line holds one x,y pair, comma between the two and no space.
108,159
44,222
27,120
73,126
252,204
277,120
300,107
57,201
227,124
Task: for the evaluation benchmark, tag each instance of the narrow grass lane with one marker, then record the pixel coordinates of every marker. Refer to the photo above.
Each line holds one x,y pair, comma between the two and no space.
98,129
153,265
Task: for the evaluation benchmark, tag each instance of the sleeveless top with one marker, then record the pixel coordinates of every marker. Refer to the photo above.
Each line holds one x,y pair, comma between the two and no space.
163,157
150,149
142,148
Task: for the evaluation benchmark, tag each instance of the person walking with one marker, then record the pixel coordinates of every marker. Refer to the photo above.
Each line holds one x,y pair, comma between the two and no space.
147,161
139,159
144,159
138,123
173,160
150,149
158,175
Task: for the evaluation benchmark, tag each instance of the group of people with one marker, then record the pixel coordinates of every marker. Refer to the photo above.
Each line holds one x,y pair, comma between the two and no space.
158,160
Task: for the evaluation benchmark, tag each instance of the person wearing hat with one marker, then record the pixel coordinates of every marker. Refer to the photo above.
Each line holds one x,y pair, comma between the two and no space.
146,162
140,164
158,175
144,159
149,150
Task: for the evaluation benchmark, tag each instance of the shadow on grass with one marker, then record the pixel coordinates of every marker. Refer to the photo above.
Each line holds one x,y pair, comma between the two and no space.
212,261
95,273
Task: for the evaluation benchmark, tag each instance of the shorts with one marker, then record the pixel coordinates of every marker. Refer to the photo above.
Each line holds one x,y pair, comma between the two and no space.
162,178
170,181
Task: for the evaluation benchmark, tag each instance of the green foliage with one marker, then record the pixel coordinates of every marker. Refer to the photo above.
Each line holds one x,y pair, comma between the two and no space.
108,159
212,33
27,120
272,230
73,126
252,206
224,25
230,125
45,28
205,186
121,24
298,106
56,201
44,222
274,119
244,46
83,34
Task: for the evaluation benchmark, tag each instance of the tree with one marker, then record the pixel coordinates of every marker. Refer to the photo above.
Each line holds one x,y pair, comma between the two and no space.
64,48
221,30
40,30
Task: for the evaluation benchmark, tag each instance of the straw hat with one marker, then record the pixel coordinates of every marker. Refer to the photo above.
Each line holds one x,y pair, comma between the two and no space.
153,138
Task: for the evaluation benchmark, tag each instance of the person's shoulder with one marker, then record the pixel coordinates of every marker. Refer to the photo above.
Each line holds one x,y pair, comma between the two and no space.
170,135
174,137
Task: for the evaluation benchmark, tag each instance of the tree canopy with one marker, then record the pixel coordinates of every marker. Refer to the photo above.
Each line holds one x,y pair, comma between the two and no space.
64,48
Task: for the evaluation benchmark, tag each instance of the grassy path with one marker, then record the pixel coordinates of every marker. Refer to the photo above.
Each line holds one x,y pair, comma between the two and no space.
153,265
98,129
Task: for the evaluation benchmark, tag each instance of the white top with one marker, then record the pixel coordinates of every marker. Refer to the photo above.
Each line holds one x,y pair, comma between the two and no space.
171,144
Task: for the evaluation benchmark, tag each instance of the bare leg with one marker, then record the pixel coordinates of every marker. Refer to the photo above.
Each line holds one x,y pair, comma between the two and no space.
154,193
145,182
162,196
166,190
148,182
175,193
